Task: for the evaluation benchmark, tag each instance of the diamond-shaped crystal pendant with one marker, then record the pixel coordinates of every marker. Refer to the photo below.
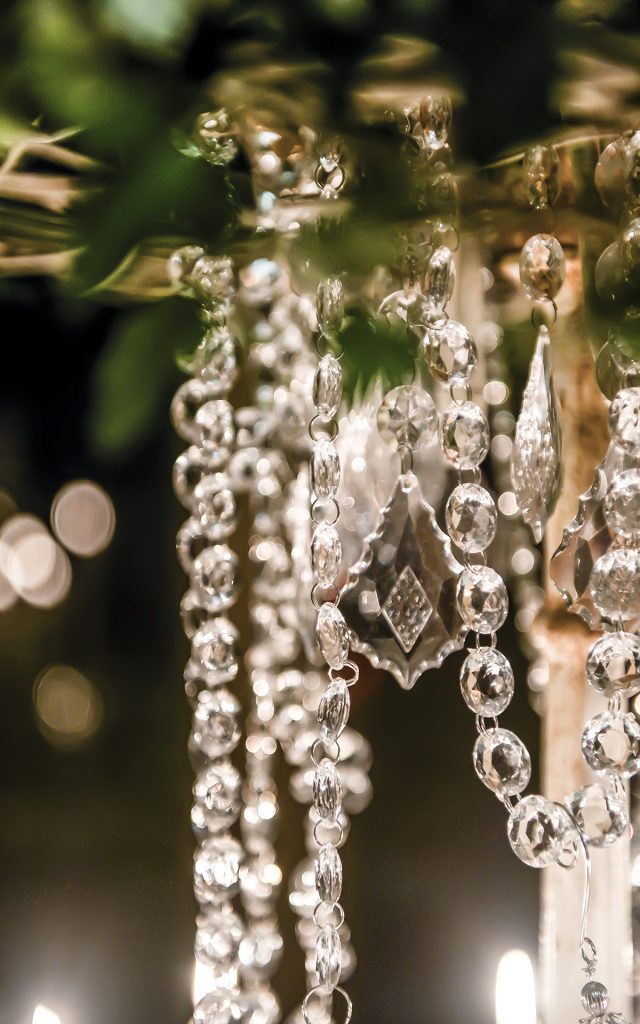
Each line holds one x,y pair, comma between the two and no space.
535,469
399,602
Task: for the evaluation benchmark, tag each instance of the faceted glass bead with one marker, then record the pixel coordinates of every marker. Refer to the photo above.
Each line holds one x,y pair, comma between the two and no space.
482,599
327,790
540,831
595,997
187,401
328,959
542,176
260,950
216,798
430,121
260,878
181,263
215,503
408,417
611,742
333,635
215,646
333,711
614,583
601,815
215,577
328,867
217,869
451,352
622,504
330,305
464,434
542,267
214,422
216,360
502,762
613,665
261,280
263,1006
189,468
487,682
325,469
440,278
218,936
326,554
624,419
215,139
327,386
216,729
220,1008
212,279
471,517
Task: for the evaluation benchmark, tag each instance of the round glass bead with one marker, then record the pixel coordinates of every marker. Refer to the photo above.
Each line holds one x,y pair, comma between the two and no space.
600,814
216,360
328,959
330,305
408,417
540,831
614,583
326,554
624,419
333,711
542,176
181,263
215,646
630,245
482,599
216,798
327,386
471,517
622,504
613,664
215,503
502,762
611,743
487,682
595,997
333,635
440,278
451,352
215,577
218,936
325,469
216,729
214,422
328,874
327,790
212,279
217,869
464,434
542,267
220,1008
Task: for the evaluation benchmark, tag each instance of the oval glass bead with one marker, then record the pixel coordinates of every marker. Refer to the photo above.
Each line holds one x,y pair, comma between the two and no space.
216,430
216,798
333,635
487,682
327,791
540,832
333,711
215,577
440,278
187,401
464,434
611,743
542,267
328,873
622,504
613,665
221,1006
330,305
325,469
217,869
451,352
502,762
614,584
326,554
218,937
216,729
212,279
624,419
542,176
327,386
600,814
191,539
188,469
471,517
482,599
215,646
216,360
328,959
215,503
407,417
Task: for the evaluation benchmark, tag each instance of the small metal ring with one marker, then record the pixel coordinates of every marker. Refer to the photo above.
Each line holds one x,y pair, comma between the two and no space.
328,826
336,677
465,388
544,314
329,429
589,953
318,338
327,755
329,909
317,993
330,590
325,503
406,459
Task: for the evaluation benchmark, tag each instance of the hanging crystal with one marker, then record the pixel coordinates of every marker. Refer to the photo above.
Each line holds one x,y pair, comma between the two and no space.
399,602
536,471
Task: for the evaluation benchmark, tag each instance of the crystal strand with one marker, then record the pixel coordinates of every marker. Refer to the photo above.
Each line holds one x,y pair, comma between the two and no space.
202,415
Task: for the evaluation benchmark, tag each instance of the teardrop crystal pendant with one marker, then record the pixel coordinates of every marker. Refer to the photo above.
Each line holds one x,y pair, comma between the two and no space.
400,599
536,470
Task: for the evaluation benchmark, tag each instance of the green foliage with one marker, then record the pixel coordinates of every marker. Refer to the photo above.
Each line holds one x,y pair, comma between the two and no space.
375,348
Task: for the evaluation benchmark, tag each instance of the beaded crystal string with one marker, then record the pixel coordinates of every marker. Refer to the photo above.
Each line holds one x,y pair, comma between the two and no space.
333,637
203,416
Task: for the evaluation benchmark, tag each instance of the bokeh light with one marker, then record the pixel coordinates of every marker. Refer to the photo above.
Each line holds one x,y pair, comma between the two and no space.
68,706
83,518
42,1015
34,565
515,989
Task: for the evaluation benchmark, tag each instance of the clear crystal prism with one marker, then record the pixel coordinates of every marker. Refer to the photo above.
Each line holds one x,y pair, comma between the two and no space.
536,469
399,602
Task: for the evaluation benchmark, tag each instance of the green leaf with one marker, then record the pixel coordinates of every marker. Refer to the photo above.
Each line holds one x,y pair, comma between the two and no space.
375,348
